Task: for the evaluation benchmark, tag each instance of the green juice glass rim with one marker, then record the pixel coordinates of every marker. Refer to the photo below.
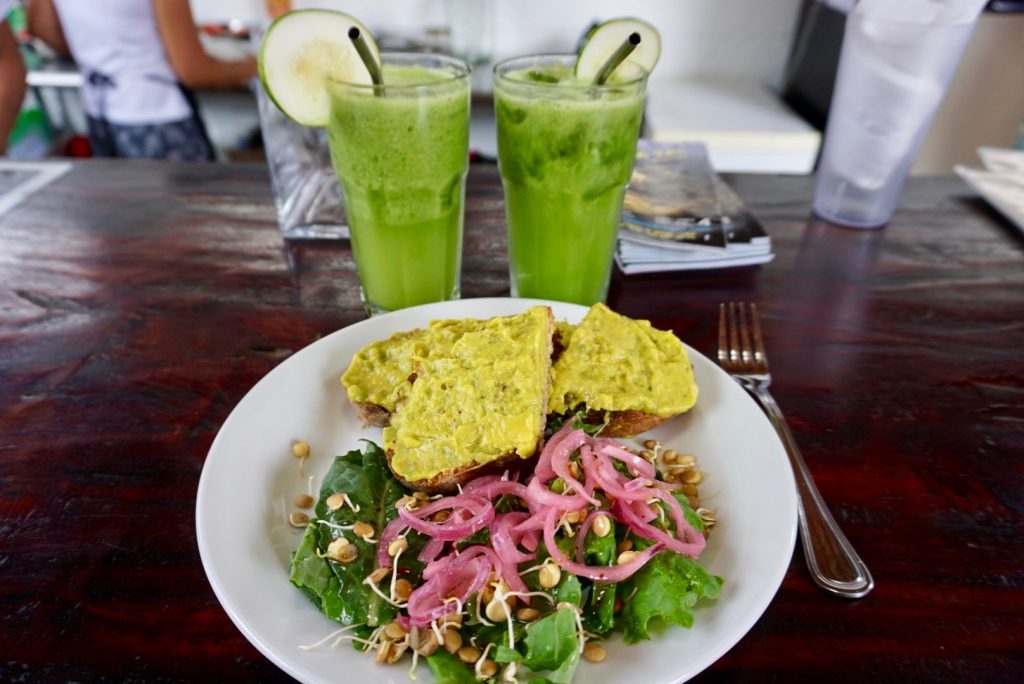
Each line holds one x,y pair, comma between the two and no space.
457,70
504,68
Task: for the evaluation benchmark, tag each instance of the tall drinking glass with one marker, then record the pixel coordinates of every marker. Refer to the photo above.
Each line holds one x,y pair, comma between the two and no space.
565,152
401,152
892,76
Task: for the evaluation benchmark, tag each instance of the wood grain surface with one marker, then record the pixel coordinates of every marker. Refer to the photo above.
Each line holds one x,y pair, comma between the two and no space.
140,300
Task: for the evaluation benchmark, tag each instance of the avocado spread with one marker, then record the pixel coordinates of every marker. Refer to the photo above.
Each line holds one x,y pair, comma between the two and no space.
479,393
379,373
614,363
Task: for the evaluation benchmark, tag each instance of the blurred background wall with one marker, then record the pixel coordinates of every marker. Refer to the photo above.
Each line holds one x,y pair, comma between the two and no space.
749,78
738,38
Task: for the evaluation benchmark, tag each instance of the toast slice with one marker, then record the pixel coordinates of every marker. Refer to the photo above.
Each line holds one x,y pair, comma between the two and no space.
381,373
623,372
475,401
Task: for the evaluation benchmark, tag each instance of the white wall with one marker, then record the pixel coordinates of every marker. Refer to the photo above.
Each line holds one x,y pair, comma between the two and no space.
747,39
985,102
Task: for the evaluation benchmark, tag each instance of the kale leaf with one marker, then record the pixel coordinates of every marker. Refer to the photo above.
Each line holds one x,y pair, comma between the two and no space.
337,588
599,607
313,575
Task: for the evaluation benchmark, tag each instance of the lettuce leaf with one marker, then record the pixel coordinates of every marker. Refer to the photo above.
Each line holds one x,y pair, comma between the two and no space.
688,512
599,612
448,669
551,644
496,634
504,654
665,589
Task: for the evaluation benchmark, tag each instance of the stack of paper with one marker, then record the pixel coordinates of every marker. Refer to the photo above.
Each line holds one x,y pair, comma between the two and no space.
1001,182
679,215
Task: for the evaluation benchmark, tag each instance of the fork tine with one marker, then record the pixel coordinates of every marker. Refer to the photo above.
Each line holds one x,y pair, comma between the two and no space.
759,354
723,337
734,341
745,350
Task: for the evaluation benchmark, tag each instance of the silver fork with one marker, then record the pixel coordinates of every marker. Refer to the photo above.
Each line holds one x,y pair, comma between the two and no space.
831,559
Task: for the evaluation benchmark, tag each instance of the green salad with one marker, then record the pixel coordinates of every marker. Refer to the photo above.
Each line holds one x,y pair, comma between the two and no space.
510,578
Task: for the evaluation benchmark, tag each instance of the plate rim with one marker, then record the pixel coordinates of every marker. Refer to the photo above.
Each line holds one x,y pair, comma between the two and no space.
752,613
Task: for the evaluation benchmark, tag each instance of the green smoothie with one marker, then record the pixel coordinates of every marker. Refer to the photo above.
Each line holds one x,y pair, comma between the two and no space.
566,152
401,155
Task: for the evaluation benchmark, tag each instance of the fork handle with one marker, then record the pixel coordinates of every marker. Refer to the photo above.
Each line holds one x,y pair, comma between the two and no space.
831,559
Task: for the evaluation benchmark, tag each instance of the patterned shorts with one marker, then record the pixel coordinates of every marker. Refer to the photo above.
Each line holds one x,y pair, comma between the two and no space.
179,140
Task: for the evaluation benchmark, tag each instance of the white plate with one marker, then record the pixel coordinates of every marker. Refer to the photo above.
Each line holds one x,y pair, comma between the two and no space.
250,479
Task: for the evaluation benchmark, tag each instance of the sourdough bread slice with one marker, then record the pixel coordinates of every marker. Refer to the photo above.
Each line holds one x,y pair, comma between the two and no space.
623,372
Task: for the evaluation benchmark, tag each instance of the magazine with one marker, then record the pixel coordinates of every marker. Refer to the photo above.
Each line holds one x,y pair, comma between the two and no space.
678,214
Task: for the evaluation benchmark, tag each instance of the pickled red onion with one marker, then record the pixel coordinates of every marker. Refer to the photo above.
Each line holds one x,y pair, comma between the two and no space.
430,600
624,511
638,465
597,573
503,541
431,550
581,534
515,536
390,532
563,442
481,510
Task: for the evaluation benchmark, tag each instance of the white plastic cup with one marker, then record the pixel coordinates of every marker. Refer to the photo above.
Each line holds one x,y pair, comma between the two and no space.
892,77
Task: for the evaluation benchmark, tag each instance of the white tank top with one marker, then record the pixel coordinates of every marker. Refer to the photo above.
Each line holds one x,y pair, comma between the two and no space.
119,40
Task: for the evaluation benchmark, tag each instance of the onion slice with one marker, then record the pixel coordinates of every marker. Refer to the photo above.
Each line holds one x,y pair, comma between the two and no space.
391,532
451,577
581,534
597,573
482,513
638,466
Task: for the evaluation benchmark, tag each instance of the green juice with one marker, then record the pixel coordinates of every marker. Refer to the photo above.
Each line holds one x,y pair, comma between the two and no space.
401,156
566,154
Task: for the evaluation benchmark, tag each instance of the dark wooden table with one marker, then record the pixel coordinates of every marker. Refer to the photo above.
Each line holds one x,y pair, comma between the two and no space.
140,301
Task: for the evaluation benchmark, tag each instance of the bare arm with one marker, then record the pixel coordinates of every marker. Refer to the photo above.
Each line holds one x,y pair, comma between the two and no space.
44,24
12,83
193,67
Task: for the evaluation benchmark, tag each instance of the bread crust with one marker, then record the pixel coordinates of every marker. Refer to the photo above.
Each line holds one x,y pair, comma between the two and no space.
372,415
448,483
630,423
620,424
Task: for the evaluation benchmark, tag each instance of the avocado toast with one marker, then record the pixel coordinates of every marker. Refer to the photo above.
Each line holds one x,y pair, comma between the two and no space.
464,396
623,372
471,396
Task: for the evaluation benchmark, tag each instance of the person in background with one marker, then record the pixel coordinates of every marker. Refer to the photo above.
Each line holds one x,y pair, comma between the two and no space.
141,60
12,76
